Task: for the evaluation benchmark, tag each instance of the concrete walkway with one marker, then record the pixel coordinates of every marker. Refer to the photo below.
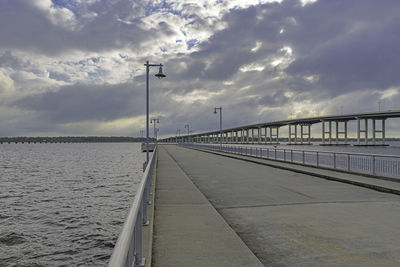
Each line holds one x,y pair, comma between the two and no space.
286,218
388,185
187,229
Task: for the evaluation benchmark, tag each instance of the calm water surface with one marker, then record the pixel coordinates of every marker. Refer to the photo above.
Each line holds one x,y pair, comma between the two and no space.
65,204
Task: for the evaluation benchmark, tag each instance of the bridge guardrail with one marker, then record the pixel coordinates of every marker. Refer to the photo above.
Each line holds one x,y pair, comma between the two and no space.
128,249
374,164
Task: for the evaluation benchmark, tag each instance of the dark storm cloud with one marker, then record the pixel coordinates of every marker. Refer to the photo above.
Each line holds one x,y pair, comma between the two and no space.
351,45
80,102
8,60
27,27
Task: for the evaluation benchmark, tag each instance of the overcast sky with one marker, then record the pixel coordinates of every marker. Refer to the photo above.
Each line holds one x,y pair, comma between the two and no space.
76,67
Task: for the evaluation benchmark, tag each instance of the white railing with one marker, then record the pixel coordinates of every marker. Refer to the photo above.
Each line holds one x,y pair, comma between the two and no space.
374,164
128,249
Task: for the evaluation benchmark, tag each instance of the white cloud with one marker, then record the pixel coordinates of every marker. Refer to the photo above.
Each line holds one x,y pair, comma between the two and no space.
389,93
59,16
307,2
6,85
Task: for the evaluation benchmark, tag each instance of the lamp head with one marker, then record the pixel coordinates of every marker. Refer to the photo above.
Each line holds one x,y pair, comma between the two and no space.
160,74
215,110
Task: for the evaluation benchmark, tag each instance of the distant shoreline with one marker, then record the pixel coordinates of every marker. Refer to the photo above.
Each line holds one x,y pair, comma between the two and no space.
73,139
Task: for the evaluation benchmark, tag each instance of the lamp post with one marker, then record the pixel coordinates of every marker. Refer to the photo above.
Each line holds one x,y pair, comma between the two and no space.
187,127
155,121
220,125
159,75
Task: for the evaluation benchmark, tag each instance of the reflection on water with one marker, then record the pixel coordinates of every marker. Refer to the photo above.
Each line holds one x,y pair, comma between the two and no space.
64,204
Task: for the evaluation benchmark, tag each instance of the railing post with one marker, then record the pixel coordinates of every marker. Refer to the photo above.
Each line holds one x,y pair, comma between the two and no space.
334,160
303,157
284,154
348,162
291,155
317,159
373,165
275,153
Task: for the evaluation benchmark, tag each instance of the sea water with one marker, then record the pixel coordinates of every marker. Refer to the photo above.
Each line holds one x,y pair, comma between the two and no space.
65,204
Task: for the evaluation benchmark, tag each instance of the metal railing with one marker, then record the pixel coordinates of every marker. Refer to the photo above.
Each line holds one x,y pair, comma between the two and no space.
128,249
374,164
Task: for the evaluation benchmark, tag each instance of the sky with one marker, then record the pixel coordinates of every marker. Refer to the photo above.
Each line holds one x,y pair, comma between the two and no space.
76,67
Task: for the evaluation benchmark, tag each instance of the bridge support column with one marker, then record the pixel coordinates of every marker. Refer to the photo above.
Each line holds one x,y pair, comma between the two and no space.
324,133
304,134
337,135
274,137
374,130
383,131
265,134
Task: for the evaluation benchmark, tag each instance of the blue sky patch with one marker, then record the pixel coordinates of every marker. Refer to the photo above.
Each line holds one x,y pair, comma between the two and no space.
192,43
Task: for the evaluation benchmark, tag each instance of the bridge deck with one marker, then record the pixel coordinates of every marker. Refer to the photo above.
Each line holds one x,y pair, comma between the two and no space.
285,218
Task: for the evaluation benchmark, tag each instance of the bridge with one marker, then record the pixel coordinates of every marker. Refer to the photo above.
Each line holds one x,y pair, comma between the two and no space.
201,206
370,127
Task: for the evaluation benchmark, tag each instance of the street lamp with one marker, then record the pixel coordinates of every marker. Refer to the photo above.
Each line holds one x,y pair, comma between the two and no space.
187,127
159,75
220,125
155,121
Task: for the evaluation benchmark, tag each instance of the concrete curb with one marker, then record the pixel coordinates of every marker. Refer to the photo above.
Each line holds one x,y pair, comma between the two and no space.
327,177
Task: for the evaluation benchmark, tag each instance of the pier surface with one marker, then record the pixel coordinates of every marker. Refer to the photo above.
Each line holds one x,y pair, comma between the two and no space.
212,210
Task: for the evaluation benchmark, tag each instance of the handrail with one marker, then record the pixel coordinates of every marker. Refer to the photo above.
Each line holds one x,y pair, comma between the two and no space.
320,151
374,164
128,249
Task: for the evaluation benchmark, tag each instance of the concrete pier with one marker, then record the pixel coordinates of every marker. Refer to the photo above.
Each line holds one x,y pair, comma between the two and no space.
212,210
188,231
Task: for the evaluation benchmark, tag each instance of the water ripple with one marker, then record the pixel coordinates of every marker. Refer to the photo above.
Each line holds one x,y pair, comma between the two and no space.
64,204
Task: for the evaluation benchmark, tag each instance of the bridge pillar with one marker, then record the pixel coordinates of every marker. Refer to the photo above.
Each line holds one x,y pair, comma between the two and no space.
363,133
292,135
304,134
265,134
274,137
336,135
